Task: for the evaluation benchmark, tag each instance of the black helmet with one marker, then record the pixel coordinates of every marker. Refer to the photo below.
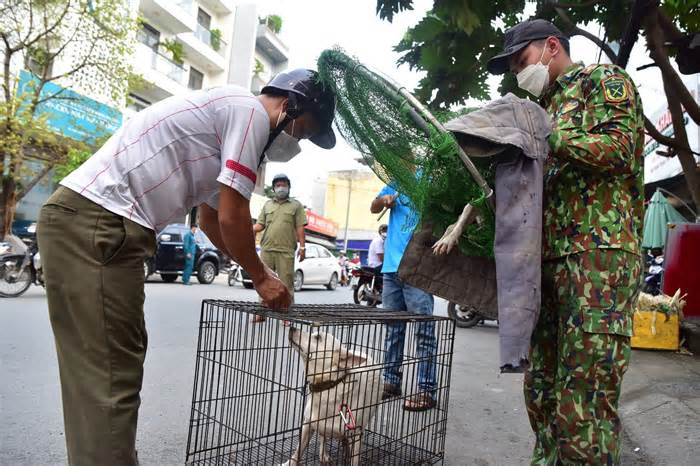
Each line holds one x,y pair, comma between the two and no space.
382,228
281,177
306,94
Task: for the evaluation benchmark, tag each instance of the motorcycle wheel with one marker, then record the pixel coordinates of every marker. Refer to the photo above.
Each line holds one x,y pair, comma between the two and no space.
361,295
464,318
355,296
11,287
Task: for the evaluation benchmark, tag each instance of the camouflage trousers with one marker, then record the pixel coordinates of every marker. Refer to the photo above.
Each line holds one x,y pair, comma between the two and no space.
579,353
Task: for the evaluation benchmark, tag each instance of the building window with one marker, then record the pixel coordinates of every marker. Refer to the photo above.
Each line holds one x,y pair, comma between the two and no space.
196,78
203,19
149,36
136,103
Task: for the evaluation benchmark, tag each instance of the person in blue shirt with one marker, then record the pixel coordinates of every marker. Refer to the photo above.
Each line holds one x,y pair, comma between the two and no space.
190,249
400,296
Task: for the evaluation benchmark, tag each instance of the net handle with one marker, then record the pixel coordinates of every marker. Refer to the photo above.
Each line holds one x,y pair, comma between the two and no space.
393,91
397,90
469,165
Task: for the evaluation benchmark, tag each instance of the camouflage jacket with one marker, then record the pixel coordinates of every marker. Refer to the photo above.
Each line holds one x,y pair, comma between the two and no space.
593,179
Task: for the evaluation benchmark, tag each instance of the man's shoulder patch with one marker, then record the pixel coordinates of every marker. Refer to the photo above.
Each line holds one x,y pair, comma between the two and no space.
615,89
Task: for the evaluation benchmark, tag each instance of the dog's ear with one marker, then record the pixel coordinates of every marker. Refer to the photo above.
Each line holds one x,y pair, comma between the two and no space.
350,359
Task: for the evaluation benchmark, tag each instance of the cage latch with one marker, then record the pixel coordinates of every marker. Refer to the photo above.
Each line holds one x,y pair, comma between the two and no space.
346,415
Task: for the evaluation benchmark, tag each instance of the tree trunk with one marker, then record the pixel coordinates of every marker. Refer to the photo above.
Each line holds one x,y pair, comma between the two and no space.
8,204
685,156
655,44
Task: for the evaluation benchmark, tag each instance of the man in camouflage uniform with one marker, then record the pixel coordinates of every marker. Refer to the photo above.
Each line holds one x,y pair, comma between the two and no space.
593,202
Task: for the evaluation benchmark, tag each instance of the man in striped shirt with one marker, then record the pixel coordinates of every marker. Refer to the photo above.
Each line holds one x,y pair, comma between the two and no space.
200,149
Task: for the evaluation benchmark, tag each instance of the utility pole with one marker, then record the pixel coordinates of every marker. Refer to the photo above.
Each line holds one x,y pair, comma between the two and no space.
347,212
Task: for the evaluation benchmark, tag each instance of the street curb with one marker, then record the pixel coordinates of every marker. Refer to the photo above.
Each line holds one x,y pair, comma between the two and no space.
690,332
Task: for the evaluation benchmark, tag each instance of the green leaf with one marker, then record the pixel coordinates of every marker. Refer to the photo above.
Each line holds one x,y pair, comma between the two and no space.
428,28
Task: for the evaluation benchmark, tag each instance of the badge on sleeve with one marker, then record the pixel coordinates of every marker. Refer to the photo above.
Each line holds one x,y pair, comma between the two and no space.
614,89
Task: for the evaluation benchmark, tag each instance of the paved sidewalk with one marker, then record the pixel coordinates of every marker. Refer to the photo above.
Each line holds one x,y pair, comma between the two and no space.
488,425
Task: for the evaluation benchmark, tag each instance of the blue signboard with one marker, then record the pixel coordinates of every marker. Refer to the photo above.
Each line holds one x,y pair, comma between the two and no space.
72,114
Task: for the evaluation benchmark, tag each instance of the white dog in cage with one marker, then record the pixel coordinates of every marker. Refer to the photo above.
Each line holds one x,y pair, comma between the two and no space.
345,390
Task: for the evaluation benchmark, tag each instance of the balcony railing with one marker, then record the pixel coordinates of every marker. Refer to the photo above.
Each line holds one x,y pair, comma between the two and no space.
169,68
163,64
206,36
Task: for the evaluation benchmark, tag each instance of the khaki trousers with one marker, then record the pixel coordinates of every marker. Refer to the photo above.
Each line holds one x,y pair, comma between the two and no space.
282,263
93,265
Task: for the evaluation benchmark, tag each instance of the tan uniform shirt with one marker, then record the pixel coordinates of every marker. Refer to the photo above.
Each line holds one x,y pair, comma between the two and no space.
281,220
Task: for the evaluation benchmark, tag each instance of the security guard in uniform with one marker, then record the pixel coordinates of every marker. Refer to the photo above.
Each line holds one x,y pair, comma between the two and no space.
593,207
282,222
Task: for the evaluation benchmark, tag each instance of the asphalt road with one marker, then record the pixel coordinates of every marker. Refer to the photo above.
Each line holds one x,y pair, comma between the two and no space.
487,422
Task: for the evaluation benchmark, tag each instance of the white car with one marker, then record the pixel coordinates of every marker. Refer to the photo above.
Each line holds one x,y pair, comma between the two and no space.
319,268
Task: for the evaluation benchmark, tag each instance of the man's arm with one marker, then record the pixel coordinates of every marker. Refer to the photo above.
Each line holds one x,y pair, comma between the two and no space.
601,136
236,235
261,220
209,223
381,202
300,222
301,238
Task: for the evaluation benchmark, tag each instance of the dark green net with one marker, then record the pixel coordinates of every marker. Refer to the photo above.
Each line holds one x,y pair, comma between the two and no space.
419,160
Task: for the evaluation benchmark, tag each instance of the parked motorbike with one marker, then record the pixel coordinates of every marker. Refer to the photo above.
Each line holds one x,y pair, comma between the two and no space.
234,274
654,276
468,316
19,268
367,286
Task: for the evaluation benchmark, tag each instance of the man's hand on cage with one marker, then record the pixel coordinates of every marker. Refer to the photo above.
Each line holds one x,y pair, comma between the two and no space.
273,292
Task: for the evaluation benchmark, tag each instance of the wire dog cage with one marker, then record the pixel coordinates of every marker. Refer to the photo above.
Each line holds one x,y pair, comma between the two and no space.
314,392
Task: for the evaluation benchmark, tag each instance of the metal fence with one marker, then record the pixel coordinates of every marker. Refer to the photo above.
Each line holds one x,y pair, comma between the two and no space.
265,393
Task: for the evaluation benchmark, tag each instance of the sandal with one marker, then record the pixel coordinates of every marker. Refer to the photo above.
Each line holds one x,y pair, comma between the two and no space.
419,402
390,391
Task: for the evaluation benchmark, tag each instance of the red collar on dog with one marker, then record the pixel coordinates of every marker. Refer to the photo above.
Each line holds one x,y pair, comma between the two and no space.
325,385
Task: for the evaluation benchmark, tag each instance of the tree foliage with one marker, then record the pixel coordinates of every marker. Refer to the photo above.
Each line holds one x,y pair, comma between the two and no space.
80,45
274,22
455,39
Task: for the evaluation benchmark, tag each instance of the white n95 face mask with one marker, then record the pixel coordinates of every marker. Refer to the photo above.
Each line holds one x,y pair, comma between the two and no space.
285,146
534,78
283,149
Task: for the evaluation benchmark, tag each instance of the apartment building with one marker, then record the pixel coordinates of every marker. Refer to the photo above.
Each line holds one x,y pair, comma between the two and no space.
215,43
194,44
